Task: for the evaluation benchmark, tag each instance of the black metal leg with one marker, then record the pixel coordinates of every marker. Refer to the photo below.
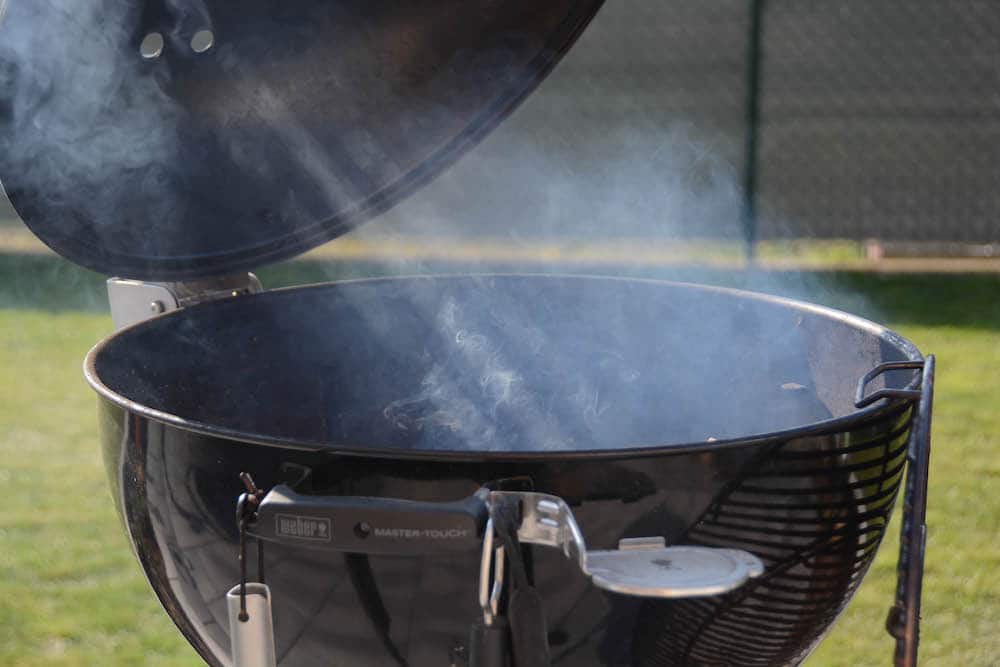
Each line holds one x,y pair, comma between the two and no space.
903,622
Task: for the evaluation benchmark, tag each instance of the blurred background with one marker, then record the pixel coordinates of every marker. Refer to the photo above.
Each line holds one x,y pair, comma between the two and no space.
842,151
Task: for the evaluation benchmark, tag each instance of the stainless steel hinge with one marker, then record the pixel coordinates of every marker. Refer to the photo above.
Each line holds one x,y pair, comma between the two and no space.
135,300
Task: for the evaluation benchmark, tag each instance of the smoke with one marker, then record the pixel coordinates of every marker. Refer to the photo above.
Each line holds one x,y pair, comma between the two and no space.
467,403
498,382
606,151
547,177
596,158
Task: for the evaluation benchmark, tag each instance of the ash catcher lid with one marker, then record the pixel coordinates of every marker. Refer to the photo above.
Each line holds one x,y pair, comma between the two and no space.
174,139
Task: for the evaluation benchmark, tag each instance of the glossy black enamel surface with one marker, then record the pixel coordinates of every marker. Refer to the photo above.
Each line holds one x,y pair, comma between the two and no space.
177,491
302,120
813,503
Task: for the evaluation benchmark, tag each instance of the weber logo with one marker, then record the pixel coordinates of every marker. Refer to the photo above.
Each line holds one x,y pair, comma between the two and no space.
423,533
302,527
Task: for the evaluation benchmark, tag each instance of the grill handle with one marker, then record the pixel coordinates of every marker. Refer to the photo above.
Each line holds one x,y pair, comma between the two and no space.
903,622
365,525
861,401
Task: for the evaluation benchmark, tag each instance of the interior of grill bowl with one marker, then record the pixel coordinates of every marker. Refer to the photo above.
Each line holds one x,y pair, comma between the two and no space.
521,363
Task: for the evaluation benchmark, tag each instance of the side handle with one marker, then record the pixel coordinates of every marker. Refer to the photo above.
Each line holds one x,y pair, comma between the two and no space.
366,525
861,401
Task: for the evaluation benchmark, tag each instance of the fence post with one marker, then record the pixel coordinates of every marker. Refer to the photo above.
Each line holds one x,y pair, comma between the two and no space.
752,112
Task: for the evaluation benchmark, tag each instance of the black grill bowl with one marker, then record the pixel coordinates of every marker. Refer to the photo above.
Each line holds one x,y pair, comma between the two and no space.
703,415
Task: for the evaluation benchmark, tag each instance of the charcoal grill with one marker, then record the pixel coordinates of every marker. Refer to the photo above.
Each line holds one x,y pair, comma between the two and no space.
479,470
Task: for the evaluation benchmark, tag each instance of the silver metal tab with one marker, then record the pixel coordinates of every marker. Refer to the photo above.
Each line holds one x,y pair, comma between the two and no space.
134,301
641,543
643,566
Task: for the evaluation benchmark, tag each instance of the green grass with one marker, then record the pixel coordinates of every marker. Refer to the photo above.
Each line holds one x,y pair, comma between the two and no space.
71,593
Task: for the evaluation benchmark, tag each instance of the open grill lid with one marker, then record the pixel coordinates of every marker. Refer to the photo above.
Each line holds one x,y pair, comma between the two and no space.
172,139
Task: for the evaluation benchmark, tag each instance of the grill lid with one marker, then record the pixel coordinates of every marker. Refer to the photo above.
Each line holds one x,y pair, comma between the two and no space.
173,139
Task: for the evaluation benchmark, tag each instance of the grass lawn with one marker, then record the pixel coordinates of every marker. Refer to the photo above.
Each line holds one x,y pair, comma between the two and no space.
71,593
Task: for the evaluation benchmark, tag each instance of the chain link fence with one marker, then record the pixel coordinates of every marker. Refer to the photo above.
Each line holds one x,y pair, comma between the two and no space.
880,118
875,119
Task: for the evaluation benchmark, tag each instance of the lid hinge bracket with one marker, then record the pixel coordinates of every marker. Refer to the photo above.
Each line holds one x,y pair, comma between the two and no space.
133,301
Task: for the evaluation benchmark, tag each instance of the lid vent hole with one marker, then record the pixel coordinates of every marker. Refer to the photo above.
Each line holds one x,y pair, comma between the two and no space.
202,41
152,46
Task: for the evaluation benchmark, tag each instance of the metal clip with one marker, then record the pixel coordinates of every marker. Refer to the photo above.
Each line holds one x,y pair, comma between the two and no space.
491,575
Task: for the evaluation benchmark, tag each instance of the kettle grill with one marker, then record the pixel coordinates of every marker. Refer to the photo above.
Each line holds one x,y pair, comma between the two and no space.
476,470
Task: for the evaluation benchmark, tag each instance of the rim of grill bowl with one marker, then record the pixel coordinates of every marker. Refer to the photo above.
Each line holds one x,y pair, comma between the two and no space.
832,425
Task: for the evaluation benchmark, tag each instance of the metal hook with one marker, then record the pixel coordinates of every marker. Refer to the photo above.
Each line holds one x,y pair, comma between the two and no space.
245,506
249,484
244,617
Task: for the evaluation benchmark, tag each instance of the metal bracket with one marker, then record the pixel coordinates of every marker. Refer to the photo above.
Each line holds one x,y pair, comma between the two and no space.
644,566
133,301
